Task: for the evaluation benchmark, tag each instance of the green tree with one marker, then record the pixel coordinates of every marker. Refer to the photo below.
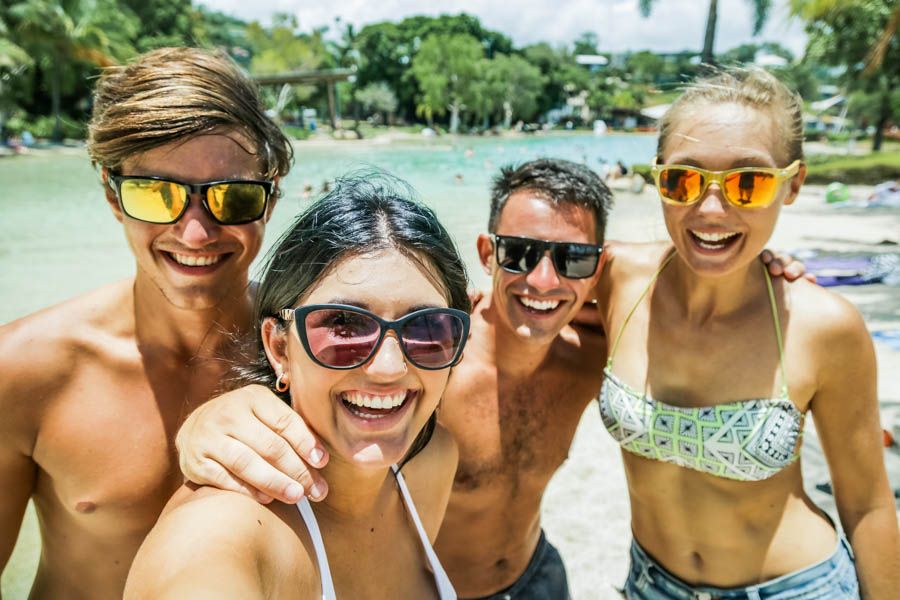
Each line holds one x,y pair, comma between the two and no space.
761,9
58,34
859,35
14,60
645,67
445,67
378,98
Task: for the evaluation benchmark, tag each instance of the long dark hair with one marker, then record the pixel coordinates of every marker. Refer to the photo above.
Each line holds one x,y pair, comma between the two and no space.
364,212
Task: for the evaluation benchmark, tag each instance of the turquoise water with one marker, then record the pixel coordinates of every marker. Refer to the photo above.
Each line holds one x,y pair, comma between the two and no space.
58,237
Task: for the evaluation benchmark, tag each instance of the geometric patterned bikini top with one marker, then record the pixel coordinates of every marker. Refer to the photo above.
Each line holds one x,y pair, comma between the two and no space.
746,440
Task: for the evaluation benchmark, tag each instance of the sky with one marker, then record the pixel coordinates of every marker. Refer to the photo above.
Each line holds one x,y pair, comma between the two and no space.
674,25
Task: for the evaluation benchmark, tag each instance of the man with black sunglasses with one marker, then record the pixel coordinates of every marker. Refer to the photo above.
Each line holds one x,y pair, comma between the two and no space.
93,390
513,404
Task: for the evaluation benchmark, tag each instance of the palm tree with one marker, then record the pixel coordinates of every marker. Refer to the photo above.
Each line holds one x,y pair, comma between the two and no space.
761,10
13,61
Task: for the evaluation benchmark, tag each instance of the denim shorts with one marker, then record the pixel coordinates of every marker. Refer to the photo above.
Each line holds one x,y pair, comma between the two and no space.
544,577
831,579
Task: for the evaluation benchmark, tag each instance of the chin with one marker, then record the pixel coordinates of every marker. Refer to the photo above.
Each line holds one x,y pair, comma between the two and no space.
378,454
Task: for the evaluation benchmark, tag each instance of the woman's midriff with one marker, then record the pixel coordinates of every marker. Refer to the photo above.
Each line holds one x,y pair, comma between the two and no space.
722,533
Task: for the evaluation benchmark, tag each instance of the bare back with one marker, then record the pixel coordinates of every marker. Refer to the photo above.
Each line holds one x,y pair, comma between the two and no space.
94,419
513,432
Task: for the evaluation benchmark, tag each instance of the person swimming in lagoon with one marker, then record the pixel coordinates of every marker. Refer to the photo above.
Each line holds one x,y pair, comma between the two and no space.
714,367
362,311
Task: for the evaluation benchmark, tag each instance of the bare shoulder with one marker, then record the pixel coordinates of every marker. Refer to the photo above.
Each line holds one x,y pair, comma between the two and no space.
429,476
623,255
41,352
207,536
626,265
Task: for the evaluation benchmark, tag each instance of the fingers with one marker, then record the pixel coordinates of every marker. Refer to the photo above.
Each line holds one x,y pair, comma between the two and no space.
209,472
281,419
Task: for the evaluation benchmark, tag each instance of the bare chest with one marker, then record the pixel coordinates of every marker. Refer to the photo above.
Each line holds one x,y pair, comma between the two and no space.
105,445
517,430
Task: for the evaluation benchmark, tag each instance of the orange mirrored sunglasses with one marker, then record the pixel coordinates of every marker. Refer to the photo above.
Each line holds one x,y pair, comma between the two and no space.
745,187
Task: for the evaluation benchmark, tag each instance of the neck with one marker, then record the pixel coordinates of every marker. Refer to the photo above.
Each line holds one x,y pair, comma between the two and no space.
356,493
705,298
513,355
189,332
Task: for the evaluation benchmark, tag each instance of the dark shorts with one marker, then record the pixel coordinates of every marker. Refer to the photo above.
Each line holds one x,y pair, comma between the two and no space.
544,577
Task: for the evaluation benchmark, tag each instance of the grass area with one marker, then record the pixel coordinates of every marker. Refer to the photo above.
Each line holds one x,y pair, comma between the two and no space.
866,170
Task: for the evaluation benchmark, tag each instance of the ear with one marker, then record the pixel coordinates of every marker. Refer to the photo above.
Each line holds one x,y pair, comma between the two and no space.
111,198
275,343
486,252
796,183
273,199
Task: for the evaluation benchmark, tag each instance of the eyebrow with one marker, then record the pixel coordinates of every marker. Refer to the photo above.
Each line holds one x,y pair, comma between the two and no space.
409,309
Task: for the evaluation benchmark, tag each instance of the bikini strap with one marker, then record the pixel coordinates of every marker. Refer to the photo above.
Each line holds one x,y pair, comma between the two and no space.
315,533
442,580
778,333
615,345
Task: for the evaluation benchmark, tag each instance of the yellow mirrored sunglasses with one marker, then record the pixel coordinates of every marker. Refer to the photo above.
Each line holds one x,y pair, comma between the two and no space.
744,187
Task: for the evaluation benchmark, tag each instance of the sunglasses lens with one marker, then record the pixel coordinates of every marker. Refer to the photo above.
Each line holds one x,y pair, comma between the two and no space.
341,338
576,261
234,203
151,200
750,188
680,185
432,340
517,255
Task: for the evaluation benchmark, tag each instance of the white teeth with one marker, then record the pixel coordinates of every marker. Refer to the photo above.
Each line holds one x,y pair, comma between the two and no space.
380,402
196,261
539,304
713,237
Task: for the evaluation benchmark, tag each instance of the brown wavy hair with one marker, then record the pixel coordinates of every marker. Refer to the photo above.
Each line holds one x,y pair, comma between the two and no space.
172,94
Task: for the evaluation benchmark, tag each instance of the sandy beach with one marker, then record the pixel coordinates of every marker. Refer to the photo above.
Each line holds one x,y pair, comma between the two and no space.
586,510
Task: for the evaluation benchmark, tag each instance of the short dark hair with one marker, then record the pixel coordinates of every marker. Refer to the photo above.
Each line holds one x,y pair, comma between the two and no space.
172,94
557,180
364,212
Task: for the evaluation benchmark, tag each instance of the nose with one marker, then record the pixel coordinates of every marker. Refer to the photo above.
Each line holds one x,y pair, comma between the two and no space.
196,228
713,202
389,363
544,275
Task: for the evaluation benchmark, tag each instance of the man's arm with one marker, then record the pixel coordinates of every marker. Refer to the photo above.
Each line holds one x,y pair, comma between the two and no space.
845,408
250,441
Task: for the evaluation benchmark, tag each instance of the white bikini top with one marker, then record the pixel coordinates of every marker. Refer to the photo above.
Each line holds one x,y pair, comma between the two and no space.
444,587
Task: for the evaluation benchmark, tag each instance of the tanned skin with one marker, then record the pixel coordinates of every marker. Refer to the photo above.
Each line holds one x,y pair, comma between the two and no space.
94,389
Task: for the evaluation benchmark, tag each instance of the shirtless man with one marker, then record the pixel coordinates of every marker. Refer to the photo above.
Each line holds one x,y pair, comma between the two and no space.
93,390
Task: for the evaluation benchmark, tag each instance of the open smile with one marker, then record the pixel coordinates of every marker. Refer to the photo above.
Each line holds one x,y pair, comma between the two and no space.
195,264
377,411
714,242
534,306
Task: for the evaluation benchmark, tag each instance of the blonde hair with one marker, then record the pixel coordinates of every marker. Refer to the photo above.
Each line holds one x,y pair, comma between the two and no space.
172,94
752,87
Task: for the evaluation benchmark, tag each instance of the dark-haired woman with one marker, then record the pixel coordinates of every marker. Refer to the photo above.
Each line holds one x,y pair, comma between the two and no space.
362,311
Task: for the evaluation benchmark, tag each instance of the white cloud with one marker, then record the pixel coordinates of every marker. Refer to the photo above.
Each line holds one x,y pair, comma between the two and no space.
674,24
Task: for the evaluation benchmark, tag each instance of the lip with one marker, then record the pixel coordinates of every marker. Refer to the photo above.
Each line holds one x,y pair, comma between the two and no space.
730,244
381,423
195,270
538,314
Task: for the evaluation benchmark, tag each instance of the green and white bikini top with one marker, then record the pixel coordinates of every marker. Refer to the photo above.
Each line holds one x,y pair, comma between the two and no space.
745,440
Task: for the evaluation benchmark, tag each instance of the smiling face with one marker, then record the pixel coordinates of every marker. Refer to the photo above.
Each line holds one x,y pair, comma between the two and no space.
538,304
712,236
195,262
369,415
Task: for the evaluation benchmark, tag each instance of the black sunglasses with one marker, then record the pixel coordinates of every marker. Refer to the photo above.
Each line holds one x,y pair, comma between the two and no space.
338,336
164,201
522,255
